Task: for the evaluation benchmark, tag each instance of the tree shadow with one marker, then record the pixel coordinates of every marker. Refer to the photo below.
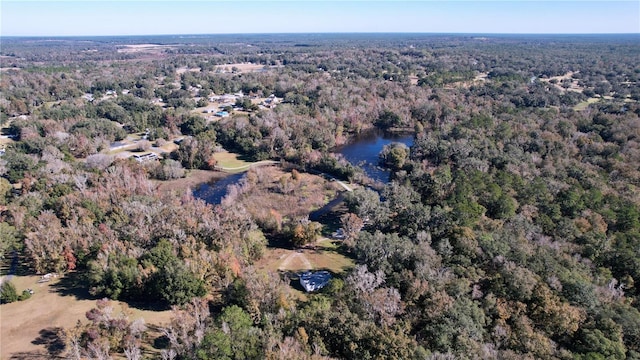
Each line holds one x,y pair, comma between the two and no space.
148,305
72,284
31,355
50,338
15,264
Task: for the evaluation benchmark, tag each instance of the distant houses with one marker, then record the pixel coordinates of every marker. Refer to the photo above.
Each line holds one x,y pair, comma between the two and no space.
271,101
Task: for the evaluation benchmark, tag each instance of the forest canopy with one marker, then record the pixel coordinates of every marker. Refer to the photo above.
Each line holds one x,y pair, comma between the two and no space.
509,229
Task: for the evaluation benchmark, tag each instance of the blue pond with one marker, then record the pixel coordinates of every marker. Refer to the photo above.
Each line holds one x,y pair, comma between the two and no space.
213,193
364,150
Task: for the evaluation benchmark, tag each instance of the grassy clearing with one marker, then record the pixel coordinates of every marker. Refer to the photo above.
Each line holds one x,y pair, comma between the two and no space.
321,258
169,147
229,160
330,260
24,325
585,104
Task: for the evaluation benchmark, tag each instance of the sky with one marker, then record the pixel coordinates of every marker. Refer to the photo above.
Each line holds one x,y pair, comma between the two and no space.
124,17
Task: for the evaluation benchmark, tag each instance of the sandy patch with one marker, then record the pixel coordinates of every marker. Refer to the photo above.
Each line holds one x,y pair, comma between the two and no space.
295,261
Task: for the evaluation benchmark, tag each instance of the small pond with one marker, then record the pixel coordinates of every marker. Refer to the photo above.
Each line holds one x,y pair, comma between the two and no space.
363,151
213,192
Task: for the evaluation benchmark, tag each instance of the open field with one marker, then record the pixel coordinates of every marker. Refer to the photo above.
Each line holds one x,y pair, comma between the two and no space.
28,328
274,193
227,159
314,257
169,147
480,78
584,104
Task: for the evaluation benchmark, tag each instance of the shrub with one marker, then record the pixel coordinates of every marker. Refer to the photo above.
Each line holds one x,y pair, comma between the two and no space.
26,294
8,293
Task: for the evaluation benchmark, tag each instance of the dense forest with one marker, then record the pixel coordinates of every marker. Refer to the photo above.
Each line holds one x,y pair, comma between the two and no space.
510,229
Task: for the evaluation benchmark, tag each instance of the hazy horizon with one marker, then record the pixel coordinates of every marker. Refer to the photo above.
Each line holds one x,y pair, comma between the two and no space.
328,33
28,18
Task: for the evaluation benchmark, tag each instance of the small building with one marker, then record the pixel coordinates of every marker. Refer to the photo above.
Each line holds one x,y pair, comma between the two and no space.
314,280
145,157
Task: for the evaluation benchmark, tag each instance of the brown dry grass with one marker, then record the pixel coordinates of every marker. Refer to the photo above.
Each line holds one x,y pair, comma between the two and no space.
22,323
312,258
273,190
265,200
6,140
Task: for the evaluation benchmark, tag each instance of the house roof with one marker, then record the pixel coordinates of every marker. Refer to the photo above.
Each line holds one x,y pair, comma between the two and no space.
314,280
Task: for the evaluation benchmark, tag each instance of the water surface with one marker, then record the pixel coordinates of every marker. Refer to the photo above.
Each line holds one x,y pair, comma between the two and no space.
213,192
363,151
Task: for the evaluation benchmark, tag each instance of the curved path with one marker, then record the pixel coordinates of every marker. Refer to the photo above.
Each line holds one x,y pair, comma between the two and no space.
343,184
248,166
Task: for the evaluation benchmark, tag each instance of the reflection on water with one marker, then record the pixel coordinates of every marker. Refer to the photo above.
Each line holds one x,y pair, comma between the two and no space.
364,150
213,193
